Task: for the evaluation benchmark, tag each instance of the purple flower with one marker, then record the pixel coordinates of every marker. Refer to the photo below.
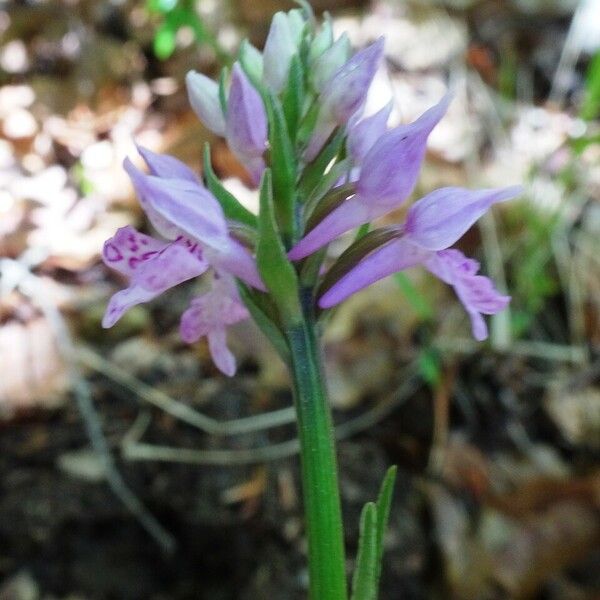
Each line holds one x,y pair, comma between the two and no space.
344,94
197,237
476,292
246,126
203,94
180,207
365,134
442,217
390,169
388,175
433,223
152,266
209,315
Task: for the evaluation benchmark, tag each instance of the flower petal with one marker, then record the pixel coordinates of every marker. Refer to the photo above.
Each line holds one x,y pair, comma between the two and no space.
390,169
347,90
221,354
176,205
128,248
246,125
209,315
476,292
363,136
442,217
177,262
168,167
397,255
350,214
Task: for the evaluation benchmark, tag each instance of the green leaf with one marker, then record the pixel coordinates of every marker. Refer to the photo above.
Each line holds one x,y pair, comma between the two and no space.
260,307
283,166
429,366
591,103
274,267
313,172
293,98
325,184
231,207
384,503
164,41
364,582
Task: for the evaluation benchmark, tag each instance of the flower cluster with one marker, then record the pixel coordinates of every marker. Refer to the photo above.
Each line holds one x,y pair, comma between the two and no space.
293,117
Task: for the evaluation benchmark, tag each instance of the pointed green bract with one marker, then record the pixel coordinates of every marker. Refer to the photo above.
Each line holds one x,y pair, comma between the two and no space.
293,99
373,523
313,172
283,166
274,267
231,207
384,503
261,309
364,582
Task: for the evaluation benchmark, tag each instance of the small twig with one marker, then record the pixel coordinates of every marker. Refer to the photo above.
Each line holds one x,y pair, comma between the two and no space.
180,410
142,451
32,286
532,349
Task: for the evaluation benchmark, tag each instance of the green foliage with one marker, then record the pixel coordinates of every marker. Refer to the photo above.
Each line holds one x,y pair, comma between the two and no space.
373,523
173,16
275,269
231,206
283,165
533,274
590,108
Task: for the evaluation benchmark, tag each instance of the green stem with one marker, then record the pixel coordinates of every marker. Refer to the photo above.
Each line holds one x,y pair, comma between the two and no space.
319,467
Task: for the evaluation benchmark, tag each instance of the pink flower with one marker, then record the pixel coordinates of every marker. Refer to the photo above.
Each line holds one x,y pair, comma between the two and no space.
209,315
197,238
433,224
388,174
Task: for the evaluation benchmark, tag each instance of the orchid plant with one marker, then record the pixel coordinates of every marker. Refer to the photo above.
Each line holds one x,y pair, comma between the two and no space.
293,117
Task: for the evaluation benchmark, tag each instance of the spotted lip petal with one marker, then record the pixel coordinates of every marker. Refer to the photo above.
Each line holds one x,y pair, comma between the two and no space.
439,219
151,265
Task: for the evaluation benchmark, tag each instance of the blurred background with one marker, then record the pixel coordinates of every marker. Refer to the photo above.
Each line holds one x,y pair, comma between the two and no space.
130,468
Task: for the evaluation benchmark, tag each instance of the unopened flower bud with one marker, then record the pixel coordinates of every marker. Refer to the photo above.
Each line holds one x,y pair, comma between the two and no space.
280,46
204,99
246,125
